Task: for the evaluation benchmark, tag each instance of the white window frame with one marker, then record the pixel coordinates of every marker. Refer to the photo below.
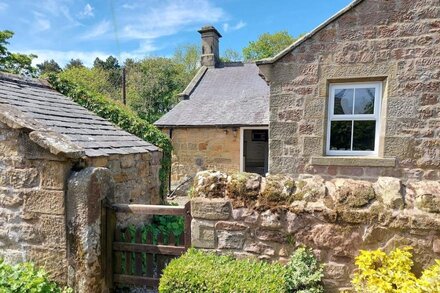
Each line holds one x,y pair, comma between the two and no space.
354,117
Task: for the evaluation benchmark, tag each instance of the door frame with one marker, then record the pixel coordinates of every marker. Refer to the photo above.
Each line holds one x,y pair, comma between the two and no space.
242,129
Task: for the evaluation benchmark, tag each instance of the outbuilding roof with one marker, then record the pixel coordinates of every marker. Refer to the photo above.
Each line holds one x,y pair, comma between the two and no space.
229,95
57,123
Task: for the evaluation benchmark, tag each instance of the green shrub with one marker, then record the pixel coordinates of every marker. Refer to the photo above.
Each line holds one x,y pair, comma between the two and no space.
304,273
198,272
379,272
24,278
120,115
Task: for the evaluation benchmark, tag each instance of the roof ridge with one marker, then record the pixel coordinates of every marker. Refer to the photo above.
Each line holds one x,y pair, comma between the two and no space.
308,35
24,79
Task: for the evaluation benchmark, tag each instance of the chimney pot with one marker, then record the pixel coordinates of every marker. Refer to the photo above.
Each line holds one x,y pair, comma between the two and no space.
210,46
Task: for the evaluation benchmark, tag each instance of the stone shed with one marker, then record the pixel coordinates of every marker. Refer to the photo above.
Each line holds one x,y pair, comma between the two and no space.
57,162
359,96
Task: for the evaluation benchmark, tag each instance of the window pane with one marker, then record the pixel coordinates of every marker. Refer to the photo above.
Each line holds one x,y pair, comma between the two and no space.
343,101
364,134
340,135
364,101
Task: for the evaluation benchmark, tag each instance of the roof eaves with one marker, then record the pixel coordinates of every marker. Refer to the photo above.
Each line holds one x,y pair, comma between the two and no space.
52,141
308,35
193,83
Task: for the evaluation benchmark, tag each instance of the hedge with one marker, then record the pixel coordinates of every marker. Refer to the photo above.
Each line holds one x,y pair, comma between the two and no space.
120,115
202,272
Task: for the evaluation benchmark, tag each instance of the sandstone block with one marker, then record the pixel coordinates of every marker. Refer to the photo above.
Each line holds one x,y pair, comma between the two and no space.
202,233
127,161
277,190
271,235
349,192
20,178
388,190
44,201
230,239
426,195
10,198
342,240
210,184
211,209
244,186
270,220
53,174
310,189
230,226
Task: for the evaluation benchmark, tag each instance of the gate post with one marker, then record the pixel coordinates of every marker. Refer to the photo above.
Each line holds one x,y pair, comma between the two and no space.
187,228
108,228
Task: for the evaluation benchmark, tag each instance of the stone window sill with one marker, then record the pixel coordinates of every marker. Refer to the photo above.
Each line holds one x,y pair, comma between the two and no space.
354,161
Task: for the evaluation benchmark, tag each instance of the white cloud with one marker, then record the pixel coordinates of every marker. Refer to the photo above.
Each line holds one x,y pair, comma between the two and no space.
241,24
3,6
169,18
42,24
98,30
87,11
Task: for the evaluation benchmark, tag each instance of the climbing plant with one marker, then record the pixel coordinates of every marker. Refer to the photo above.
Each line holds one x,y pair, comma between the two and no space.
120,115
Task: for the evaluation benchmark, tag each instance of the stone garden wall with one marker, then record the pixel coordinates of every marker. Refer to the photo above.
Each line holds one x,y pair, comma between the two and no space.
32,208
250,216
136,176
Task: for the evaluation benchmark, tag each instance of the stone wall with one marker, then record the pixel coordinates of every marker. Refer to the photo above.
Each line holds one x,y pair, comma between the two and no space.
395,42
136,176
250,216
32,207
196,149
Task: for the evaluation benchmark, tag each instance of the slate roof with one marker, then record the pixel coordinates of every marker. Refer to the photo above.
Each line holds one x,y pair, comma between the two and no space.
231,95
59,124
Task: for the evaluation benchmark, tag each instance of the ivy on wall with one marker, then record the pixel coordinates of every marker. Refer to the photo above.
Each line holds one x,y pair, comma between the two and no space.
121,116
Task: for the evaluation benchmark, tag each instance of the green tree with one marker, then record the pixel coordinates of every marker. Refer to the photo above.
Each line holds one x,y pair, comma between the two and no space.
188,56
267,45
16,63
114,73
74,63
231,55
153,85
49,66
95,80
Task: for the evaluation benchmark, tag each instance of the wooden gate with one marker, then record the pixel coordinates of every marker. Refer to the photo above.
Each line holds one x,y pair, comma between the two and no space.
136,257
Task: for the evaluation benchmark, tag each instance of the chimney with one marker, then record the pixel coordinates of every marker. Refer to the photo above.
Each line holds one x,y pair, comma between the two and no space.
210,46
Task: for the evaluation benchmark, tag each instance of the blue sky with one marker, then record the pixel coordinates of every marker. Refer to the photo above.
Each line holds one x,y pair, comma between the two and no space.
85,29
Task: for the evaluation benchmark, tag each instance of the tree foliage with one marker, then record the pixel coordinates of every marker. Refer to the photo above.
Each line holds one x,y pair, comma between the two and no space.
231,55
153,85
267,45
48,66
16,63
74,63
188,56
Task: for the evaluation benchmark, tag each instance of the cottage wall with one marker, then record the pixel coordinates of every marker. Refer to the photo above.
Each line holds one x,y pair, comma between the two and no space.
396,42
196,149
32,203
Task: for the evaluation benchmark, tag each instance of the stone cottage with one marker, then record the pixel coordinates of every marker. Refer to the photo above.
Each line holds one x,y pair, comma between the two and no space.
222,119
359,96
57,162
